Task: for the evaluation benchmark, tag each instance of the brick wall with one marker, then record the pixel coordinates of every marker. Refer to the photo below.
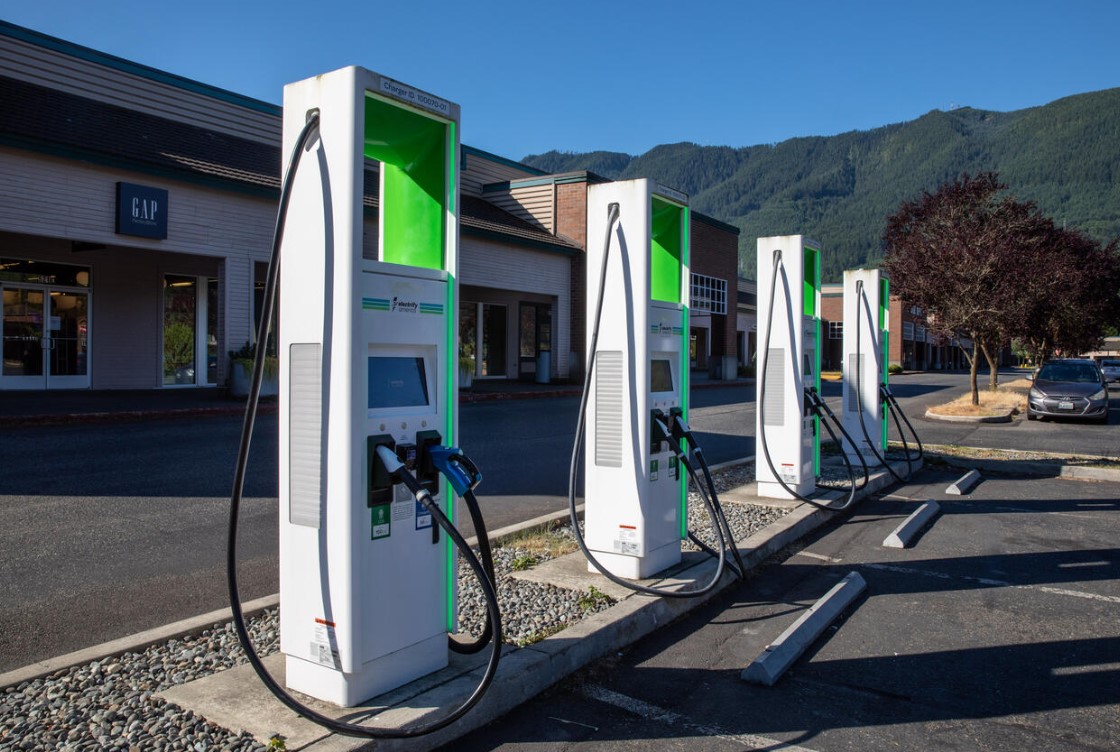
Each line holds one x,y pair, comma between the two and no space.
714,251
832,350
571,223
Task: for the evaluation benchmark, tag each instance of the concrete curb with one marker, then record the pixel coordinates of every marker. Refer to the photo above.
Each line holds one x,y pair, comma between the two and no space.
126,416
779,655
901,536
614,629
525,672
536,667
1090,473
965,484
1050,467
970,418
136,642
133,643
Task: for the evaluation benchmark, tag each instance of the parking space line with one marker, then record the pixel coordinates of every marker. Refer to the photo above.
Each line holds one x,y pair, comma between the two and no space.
669,718
820,557
990,582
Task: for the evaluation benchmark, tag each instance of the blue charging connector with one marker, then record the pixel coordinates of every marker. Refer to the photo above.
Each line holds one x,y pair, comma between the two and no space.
463,474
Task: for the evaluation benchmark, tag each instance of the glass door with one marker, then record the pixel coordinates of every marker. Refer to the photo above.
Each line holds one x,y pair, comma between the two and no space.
25,338
493,341
68,334
46,338
534,337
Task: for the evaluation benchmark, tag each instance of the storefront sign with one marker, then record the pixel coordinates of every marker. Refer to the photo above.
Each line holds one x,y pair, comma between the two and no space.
141,211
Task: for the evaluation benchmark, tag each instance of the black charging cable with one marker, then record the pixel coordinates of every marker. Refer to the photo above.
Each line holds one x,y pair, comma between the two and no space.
813,400
487,557
577,445
900,418
241,468
681,431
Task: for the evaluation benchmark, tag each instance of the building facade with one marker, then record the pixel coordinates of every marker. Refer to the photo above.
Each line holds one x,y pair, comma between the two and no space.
912,345
136,217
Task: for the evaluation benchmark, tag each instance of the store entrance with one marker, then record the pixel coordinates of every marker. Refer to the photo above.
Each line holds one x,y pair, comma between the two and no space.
46,337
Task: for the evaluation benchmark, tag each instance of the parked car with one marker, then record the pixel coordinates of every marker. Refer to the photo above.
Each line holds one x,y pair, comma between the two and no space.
1069,388
1111,370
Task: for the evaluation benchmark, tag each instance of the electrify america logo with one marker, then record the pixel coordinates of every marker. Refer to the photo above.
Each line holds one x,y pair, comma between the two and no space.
403,306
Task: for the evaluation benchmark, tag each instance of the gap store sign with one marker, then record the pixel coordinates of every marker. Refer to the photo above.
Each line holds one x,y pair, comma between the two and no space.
141,211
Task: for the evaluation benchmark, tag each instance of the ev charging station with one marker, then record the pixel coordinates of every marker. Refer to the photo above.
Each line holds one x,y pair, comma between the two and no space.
367,338
635,503
789,304
866,355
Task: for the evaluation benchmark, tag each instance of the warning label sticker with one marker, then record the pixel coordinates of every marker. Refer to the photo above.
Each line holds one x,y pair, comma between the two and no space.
324,645
788,473
627,541
403,503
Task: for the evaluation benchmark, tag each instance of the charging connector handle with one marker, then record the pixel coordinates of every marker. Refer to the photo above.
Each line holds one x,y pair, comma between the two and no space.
459,470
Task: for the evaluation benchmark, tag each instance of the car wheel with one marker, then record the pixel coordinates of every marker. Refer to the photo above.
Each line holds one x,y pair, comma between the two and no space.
1031,416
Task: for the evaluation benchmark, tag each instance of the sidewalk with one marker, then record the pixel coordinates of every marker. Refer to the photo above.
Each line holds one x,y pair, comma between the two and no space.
31,408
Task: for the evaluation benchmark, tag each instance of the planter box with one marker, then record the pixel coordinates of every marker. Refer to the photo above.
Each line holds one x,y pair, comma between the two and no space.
239,377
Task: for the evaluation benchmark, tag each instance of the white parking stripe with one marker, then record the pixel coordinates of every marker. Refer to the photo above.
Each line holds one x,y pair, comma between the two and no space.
669,718
991,582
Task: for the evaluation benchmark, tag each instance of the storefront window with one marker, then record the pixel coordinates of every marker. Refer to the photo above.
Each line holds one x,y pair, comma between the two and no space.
43,273
180,308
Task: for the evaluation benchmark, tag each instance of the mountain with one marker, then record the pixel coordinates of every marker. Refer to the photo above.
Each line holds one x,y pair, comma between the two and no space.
1065,156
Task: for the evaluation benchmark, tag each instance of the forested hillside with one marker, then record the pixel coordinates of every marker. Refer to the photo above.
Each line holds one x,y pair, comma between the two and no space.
839,189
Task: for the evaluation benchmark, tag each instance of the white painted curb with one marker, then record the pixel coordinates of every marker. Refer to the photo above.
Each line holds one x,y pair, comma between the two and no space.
779,655
965,484
912,525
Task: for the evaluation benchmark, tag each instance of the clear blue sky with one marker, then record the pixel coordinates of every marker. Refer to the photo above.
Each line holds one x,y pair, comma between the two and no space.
618,75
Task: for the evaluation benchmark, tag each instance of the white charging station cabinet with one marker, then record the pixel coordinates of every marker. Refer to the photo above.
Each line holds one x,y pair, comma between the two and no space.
866,314
634,492
790,365
367,337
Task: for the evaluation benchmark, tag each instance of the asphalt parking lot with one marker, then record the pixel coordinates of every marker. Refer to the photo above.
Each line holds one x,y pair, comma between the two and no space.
997,630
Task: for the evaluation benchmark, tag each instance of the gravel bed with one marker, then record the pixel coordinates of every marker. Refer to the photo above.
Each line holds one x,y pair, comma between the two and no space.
111,704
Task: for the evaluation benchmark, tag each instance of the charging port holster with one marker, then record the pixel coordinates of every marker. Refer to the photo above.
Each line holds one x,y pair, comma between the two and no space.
380,481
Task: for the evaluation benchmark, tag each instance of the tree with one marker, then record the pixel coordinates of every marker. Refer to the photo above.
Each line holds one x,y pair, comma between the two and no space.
1071,294
954,252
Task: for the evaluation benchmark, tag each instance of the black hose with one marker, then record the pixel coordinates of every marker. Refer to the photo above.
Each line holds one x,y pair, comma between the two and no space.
812,404
339,727
897,412
487,557
861,301
728,534
577,445
822,409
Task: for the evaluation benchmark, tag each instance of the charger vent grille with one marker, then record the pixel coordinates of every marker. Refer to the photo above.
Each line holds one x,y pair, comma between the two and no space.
773,410
608,408
305,431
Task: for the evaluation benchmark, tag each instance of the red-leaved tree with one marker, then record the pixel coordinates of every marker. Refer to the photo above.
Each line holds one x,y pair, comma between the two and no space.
956,252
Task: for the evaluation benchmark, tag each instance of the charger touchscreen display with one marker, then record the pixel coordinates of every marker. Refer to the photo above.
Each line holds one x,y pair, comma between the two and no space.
397,382
660,376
